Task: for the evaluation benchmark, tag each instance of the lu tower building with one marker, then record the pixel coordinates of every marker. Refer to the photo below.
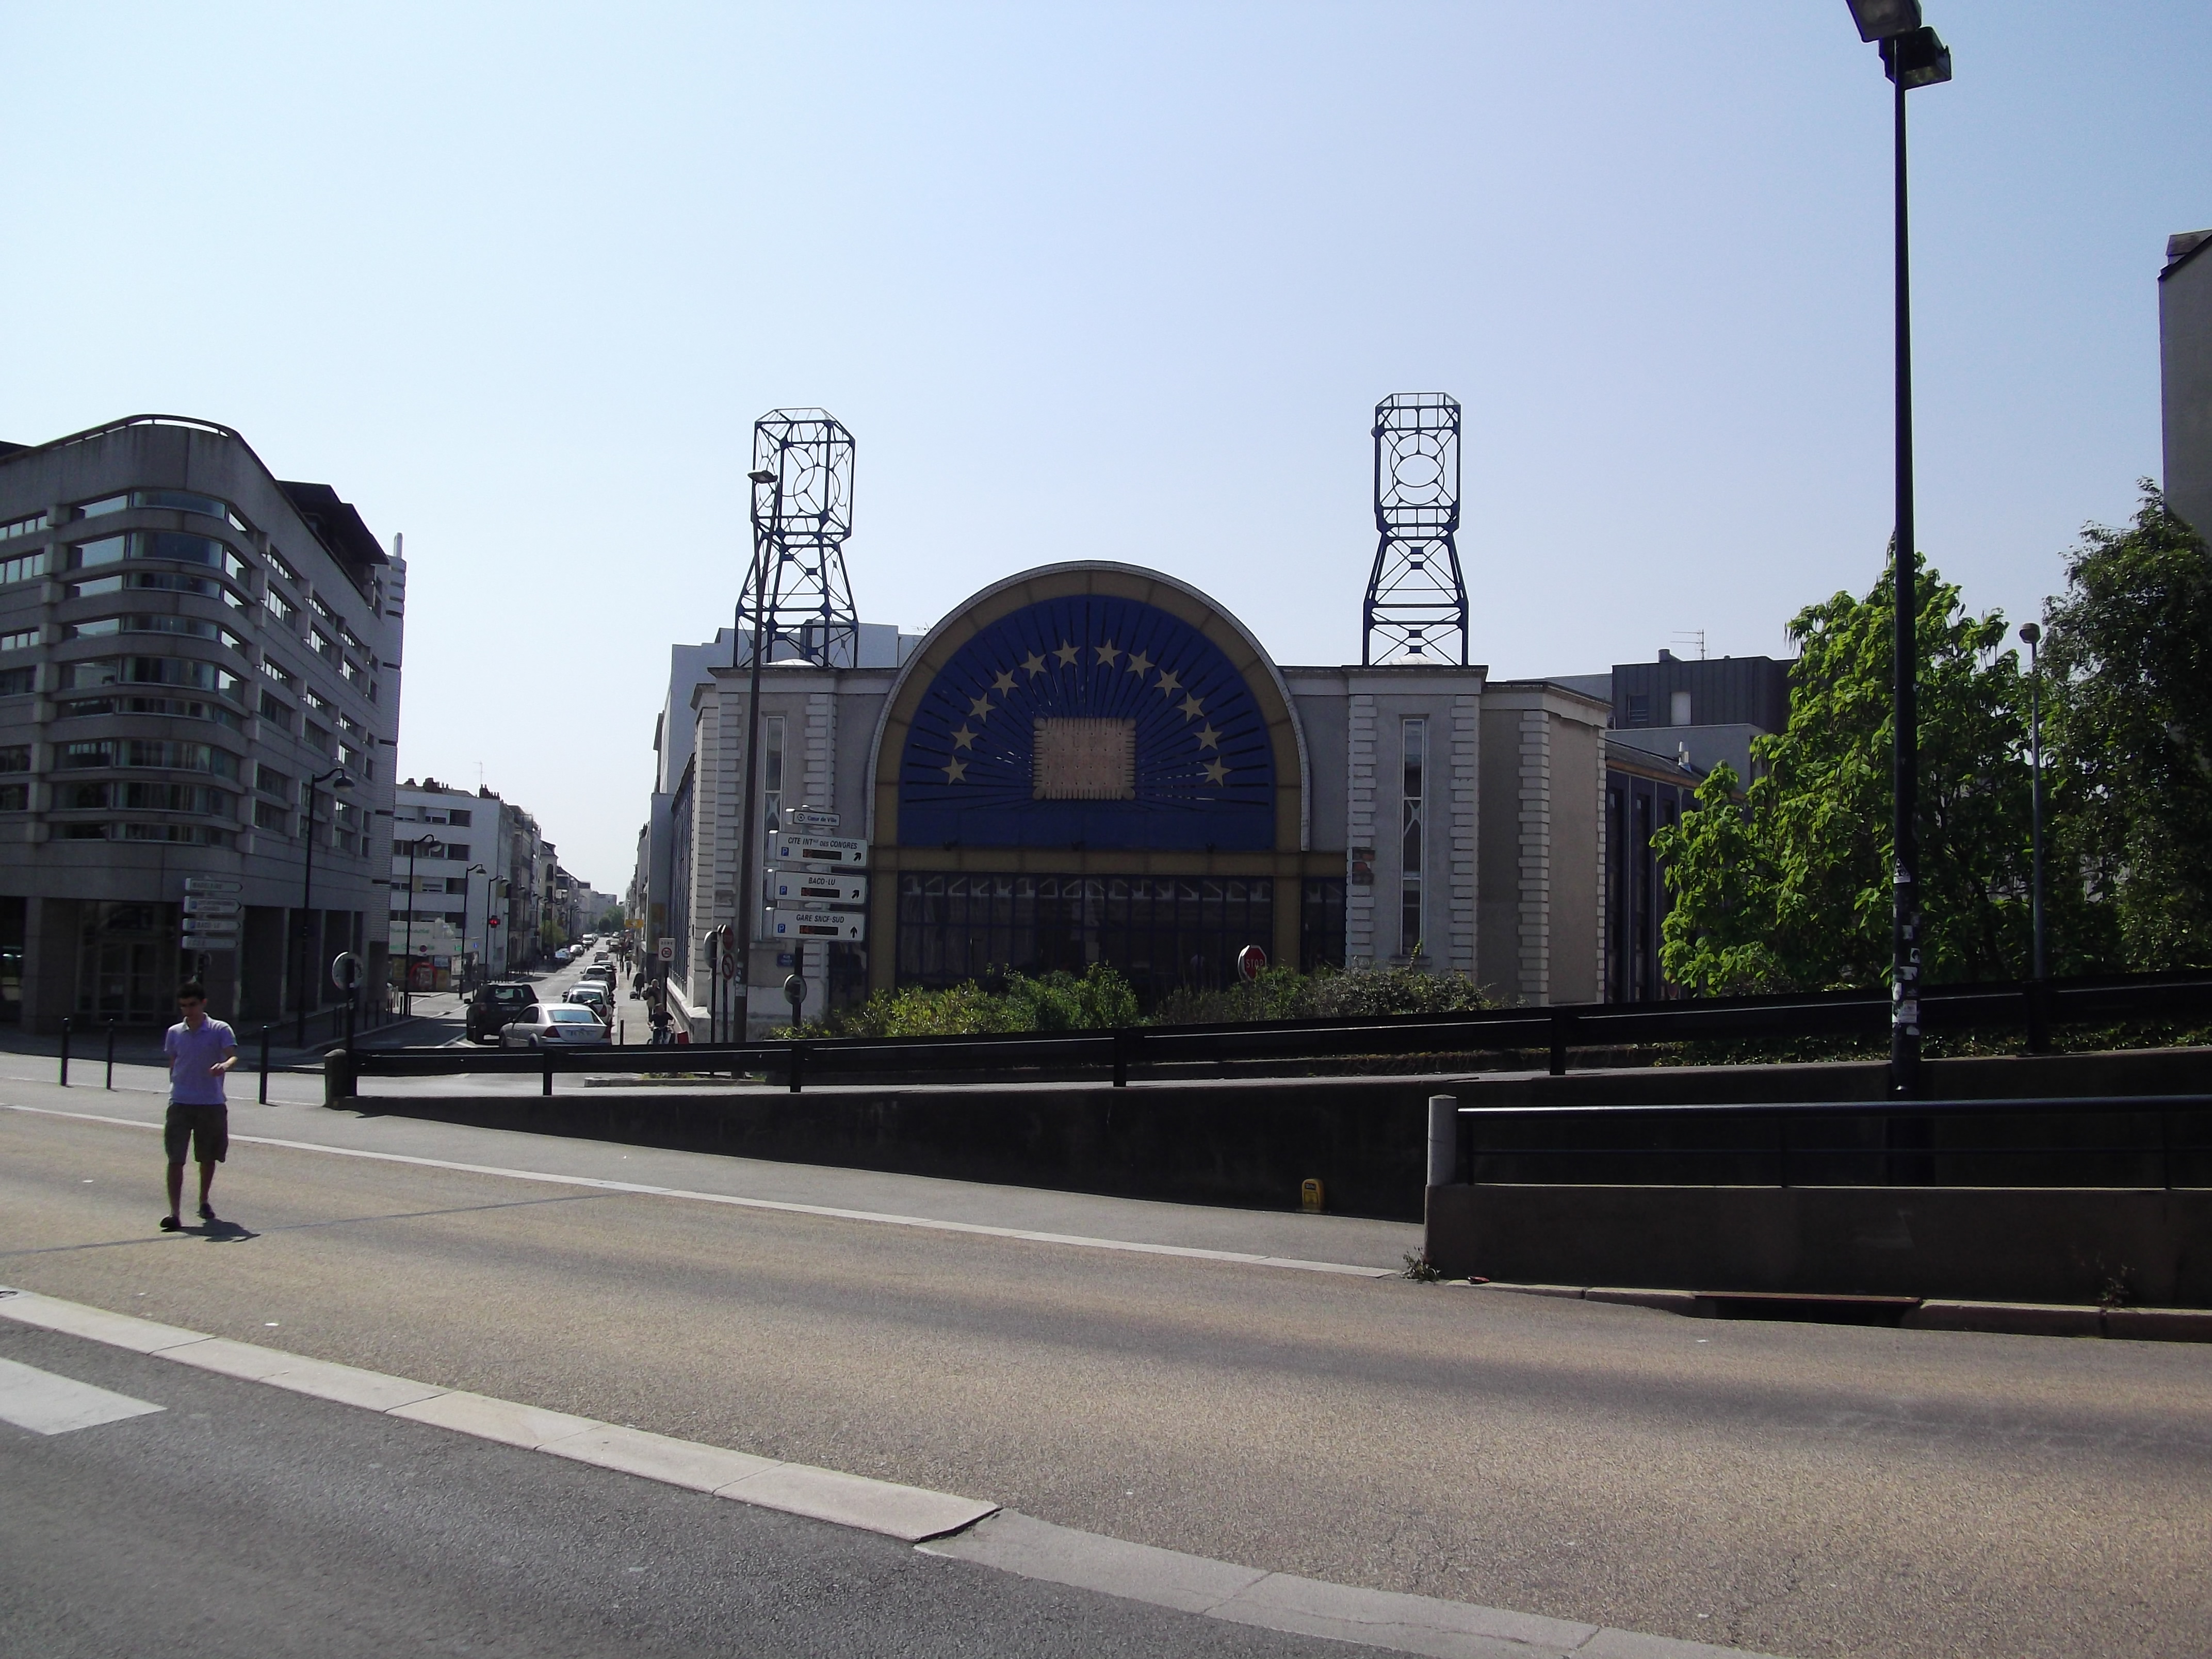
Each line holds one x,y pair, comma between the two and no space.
188,645
1098,762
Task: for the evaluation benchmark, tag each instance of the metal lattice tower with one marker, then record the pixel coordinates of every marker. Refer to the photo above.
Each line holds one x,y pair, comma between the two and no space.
797,596
1416,606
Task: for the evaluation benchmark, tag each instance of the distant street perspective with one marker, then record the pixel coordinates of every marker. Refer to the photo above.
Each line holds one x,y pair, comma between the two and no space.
942,892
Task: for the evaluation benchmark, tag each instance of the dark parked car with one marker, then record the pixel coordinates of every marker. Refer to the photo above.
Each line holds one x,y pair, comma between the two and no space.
495,1006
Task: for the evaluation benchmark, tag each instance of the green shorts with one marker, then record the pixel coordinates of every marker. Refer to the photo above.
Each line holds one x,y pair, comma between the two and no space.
208,1127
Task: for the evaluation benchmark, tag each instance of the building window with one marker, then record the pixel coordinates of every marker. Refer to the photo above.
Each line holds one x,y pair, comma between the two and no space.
24,567
21,640
286,613
183,501
270,781
15,527
1414,749
16,682
1678,709
273,708
127,957
1639,708
458,817
14,796
15,758
277,563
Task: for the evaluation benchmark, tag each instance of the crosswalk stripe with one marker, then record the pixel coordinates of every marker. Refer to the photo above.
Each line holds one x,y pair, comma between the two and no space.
46,1404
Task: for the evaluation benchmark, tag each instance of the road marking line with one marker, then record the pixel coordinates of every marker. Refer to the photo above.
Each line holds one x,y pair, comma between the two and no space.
909,1513
937,1523
1020,1544
46,1404
1026,1235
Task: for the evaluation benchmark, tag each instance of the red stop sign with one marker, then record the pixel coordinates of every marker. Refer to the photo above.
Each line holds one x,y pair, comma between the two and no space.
1251,962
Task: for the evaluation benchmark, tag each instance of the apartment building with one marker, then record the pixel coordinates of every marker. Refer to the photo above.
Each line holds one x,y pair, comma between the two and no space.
199,695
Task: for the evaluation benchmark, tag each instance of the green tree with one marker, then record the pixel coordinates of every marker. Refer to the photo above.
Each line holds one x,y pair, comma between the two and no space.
1789,888
2129,654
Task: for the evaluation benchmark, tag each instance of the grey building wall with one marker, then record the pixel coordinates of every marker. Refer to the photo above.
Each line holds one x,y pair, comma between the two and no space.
2184,340
295,637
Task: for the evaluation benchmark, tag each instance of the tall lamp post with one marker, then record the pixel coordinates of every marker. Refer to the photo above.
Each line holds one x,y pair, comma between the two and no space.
473,870
338,780
2032,635
420,844
1911,56
764,544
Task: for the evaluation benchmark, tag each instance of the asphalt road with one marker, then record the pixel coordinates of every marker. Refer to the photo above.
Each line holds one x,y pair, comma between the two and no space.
242,1520
1799,1490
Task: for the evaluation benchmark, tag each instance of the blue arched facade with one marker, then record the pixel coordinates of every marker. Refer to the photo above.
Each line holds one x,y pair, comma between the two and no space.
1089,721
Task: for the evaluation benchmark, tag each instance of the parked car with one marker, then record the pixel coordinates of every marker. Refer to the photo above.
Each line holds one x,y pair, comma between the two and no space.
555,1025
562,954
593,996
497,1006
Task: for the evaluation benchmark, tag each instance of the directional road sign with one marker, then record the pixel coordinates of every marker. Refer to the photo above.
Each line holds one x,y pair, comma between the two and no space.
197,906
842,852
818,887
211,884
809,817
794,923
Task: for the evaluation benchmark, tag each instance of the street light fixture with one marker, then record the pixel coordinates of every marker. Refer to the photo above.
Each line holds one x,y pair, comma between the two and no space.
2032,636
763,638
307,892
1911,56
473,870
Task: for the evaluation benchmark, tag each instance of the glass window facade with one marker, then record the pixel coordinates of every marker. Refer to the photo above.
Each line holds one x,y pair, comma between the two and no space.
1414,755
129,963
1159,931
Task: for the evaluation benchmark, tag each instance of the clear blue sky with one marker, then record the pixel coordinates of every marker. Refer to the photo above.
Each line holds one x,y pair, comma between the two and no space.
1119,282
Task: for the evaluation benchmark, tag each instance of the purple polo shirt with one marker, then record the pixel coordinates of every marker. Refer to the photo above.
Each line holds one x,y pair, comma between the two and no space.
191,1054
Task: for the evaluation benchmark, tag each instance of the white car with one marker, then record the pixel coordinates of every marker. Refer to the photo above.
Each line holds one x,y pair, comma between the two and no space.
593,995
555,1025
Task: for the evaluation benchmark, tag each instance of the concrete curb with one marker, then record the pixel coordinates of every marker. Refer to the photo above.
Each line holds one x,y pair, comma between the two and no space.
936,1523
1932,1314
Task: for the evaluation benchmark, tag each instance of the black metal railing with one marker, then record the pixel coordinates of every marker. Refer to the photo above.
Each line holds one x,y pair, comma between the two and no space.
1554,1032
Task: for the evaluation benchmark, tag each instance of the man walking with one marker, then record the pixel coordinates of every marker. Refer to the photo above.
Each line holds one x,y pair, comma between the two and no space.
201,1052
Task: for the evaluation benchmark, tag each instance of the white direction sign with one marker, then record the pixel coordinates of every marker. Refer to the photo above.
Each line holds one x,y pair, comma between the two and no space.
197,906
795,923
817,887
793,847
809,817
210,884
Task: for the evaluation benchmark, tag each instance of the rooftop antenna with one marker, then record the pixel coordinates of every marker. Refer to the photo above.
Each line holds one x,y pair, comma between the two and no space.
1416,608
1692,636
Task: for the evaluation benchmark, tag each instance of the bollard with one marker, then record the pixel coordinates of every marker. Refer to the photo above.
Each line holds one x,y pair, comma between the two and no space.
1120,1058
111,1056
548,1088
65,1038
798,1066
263,1097
1444,1140
1563,1030
338,1078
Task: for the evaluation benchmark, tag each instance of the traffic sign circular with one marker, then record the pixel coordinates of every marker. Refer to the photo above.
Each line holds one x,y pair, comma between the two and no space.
347,971
1251,963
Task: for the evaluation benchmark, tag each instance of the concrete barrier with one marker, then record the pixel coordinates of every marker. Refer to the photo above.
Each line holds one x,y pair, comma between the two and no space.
2002,1244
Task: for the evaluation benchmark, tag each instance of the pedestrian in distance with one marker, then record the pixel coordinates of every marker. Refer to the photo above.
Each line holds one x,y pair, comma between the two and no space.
201,1052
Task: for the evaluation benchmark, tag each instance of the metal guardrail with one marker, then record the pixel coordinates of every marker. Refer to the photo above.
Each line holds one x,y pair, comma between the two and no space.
1555,1030
1844,1143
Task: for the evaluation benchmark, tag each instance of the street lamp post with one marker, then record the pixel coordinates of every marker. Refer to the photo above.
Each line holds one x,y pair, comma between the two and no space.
420,844
2040,959
764,641
308,892
1912,56
473,870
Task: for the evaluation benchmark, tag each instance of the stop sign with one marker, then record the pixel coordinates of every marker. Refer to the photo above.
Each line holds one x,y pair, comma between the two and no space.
1251,963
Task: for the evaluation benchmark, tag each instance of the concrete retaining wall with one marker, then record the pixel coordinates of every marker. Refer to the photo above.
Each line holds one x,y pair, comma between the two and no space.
1247,1144
2042,1244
